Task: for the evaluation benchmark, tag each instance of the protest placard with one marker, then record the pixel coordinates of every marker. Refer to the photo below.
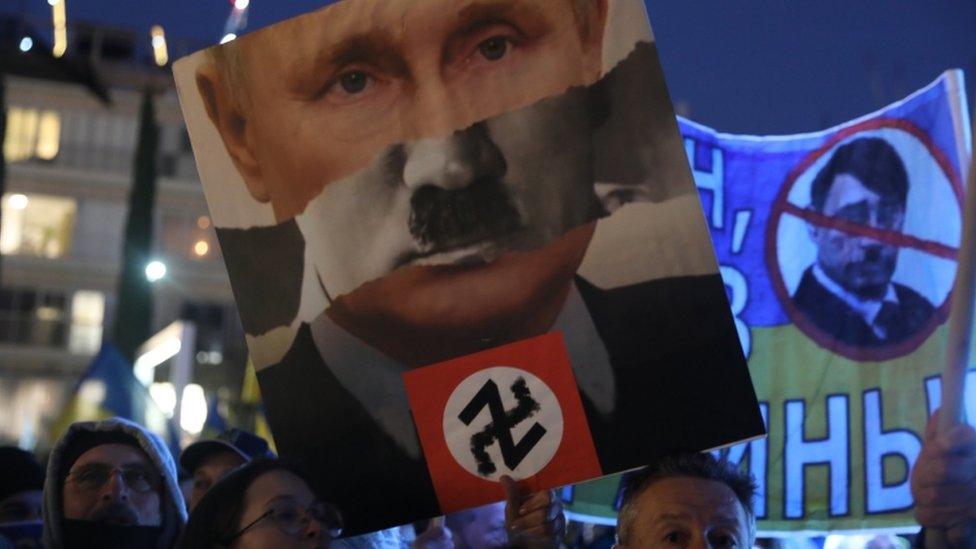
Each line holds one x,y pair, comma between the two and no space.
839,250
465,242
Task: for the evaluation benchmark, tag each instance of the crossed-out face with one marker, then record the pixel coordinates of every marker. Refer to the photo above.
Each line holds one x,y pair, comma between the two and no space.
422,122
97,489
860,264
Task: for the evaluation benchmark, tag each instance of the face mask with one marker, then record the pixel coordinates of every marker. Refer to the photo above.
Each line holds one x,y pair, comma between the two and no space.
85,533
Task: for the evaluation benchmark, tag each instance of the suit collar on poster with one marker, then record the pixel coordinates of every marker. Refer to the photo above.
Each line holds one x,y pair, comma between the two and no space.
373,378
867,310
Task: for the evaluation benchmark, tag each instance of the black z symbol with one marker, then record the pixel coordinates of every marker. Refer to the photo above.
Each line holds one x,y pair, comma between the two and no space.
501,424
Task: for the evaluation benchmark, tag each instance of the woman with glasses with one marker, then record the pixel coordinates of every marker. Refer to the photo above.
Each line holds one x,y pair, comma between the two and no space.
265,503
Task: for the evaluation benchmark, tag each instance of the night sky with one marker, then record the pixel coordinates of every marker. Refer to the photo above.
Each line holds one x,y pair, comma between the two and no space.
746,66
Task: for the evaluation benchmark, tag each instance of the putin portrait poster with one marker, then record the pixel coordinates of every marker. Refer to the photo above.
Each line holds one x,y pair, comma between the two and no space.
465,242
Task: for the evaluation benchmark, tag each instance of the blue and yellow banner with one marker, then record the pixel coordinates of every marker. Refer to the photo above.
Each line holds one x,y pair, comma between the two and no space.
838,251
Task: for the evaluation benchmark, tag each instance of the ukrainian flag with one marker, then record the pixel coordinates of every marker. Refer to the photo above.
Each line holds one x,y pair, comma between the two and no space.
251,396
109,389
215,423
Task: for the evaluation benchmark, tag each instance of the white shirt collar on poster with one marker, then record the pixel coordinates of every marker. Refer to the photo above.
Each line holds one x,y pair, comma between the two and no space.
866,309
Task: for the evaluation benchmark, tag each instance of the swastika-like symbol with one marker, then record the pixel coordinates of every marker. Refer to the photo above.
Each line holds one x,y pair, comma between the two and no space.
500,427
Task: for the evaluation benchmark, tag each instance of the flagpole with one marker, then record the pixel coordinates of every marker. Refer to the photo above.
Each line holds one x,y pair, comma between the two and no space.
3,133
133,315
961,314
960,328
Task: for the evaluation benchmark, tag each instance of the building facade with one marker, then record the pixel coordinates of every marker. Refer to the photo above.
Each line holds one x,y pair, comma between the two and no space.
69,164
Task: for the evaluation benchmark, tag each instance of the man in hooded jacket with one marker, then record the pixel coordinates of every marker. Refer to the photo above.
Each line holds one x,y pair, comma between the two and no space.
111,483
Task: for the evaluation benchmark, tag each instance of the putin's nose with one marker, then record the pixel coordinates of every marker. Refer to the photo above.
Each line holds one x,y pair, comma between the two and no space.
452,162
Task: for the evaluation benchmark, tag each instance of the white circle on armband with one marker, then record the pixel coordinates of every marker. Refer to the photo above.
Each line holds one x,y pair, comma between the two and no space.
503,421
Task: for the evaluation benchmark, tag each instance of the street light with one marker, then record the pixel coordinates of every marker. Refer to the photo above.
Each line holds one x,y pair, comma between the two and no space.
193,409
155,270
164,394
18,201
158,39
59,19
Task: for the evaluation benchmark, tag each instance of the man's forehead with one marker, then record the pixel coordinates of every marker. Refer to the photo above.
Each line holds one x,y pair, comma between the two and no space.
112,454
848,189
384,21
689,498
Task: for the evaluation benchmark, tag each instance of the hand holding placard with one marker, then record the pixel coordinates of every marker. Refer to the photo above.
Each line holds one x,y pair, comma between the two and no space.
960,334
536,519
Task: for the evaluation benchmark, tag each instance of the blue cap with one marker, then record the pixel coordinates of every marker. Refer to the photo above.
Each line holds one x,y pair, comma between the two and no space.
247,445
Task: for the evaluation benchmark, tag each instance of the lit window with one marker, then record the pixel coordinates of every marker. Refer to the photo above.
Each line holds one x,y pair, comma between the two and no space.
32,317
186,235
21,135
87,314
36,224
31,134
28,405
48,135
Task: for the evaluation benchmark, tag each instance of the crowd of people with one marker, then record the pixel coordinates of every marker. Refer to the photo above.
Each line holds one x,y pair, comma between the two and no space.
112,483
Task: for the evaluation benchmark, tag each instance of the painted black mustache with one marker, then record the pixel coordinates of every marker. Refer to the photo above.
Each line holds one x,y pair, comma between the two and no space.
444,219
441,219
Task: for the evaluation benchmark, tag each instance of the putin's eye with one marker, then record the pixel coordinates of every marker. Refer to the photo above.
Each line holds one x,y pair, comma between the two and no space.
494,48
354,82
351,85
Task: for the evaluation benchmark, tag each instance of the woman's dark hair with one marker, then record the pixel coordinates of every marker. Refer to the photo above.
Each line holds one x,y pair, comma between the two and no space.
218,514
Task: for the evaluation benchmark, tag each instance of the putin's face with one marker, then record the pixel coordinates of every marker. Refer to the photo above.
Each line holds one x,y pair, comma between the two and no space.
449,192
514,182
314,98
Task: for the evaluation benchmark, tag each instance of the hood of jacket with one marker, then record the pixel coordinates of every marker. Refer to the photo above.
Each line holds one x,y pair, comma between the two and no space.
171,499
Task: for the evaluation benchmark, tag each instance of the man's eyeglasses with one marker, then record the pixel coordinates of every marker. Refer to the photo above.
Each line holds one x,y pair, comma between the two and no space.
92,477
292,519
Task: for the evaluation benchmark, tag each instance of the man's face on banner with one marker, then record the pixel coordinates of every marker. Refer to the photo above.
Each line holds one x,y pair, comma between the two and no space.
860,264
516,181
409,117
312,99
